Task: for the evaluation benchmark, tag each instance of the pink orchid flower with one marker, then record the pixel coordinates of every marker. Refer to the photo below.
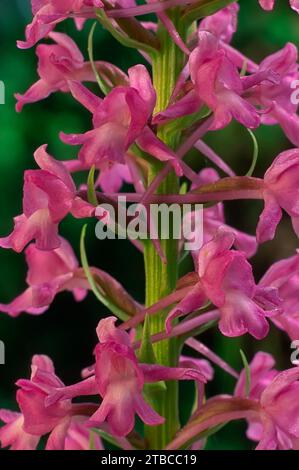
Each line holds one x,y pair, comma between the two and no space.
284,275
217,83
119,120
269,4
225,278
49,195
275,98
281,191
57,63
262,372
47,13
65,422
269,406
119,379
49,272
55,271
276,424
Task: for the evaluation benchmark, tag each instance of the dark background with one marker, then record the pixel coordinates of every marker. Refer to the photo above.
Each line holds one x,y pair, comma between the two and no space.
67,331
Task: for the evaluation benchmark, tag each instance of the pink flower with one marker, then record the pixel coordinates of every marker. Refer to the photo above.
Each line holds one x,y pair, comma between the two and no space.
218,84
49,272
276,97
57,63
276,426
64,421
119,120
225,278
54,271
222,24
49,195
119,380
269,4
281,191
284,276
47,13
262,373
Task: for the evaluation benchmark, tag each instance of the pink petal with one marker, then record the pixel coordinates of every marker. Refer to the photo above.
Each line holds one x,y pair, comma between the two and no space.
269,219
56,440
37,92
146,413
88,99
141,81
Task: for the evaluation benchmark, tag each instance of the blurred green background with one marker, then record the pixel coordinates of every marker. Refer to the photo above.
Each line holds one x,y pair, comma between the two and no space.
67,331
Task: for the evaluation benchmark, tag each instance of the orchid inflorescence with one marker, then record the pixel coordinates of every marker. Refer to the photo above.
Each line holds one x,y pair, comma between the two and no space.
142,127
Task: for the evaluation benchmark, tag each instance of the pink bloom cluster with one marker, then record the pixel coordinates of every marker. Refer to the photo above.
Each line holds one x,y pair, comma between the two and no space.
117,377
216,85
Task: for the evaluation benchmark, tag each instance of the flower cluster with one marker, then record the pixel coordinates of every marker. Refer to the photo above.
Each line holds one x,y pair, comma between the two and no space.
138,135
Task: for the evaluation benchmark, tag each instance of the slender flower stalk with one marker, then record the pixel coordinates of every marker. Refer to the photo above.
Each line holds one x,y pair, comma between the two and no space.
161,279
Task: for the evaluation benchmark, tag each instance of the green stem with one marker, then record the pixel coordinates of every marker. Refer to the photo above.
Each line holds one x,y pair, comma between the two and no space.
161,278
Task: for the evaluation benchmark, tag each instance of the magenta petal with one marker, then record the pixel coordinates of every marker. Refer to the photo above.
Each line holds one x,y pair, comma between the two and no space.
269,219
155,147
86,387
84,96
38,420
39,227
119,414
193,301
12,434
289,122
189,104
43,362
262,373
56,440
48,163
157,373
267,4
22,303
37,92
146,413
295,5
78,436
241,315
141,81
